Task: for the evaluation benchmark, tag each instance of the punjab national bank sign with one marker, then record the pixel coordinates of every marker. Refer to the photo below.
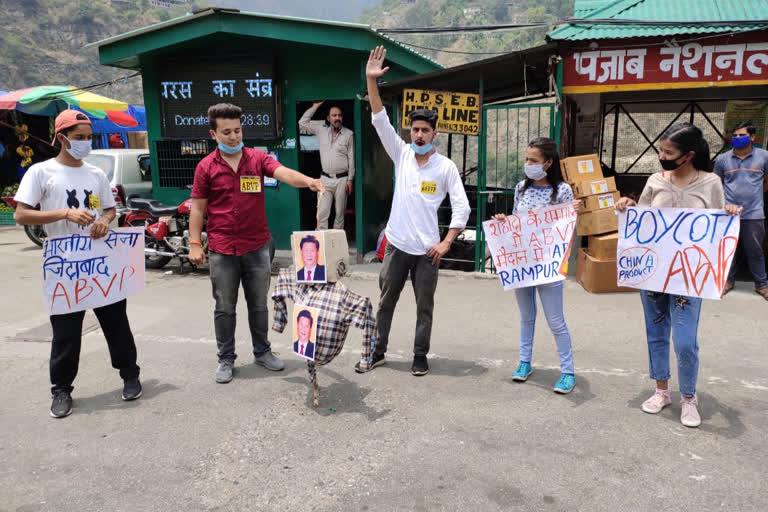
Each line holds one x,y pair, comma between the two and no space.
719,62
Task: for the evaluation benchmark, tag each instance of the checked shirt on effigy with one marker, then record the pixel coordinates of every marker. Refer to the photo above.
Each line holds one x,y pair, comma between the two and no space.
339,308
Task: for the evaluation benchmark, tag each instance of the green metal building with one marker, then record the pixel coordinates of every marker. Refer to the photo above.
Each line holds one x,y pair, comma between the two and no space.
220,51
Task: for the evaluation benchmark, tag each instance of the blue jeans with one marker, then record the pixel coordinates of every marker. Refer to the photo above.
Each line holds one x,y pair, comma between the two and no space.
552,299
679,316
227,271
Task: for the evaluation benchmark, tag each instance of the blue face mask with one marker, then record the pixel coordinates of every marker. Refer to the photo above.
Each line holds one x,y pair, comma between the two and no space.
421,150
740,142
229,150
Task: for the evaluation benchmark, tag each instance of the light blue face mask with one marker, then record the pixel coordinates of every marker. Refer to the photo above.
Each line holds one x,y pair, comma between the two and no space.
229,150
421,150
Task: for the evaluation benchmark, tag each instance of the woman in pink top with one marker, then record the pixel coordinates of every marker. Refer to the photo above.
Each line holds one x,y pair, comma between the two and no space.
685,183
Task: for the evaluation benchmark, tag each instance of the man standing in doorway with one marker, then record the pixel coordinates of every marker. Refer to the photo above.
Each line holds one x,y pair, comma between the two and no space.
229,186
422,180
744,171
337,157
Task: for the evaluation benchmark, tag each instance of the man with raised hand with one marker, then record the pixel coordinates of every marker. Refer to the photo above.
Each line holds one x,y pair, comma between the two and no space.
422,180
337,158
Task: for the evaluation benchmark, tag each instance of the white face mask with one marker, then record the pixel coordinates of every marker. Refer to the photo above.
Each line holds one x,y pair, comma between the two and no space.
79,149
535,172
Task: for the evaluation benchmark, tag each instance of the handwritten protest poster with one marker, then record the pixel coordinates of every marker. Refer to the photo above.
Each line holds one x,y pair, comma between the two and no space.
680,251
533,248
80,273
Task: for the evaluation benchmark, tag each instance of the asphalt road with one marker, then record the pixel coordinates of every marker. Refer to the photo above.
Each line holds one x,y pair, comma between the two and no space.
465,437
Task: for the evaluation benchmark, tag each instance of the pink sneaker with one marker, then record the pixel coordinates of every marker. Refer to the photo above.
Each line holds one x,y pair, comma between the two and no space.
656,403
689,416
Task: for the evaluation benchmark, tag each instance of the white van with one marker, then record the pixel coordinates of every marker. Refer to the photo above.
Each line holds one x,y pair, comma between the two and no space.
127,170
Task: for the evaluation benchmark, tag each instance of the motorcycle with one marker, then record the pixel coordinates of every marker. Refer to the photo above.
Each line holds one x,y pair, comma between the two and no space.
35,233
166,230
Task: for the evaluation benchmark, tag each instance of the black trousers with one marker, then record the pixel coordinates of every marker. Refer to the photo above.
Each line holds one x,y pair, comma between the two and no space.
67,338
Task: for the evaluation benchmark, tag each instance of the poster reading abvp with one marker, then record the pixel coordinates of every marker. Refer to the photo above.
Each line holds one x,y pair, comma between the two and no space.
188,88
680,251
81,273
532,248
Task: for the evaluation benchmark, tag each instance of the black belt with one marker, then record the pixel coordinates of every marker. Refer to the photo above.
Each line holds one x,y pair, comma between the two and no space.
340,175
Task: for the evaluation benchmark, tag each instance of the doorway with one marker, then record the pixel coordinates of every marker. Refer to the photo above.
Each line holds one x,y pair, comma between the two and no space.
309,164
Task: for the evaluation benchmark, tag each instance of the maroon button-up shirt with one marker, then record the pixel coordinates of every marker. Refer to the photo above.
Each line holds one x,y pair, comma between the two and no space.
237,220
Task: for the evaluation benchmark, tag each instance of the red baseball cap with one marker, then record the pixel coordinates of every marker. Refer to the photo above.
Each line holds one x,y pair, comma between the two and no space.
68,119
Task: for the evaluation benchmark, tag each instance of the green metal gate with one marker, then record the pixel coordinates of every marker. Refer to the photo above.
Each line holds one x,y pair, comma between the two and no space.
504,136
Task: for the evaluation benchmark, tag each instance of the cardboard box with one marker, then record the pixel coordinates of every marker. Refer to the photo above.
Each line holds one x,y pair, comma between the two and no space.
600,201
590,188
597,276
138,140
577,169
597,222
603,247
336,252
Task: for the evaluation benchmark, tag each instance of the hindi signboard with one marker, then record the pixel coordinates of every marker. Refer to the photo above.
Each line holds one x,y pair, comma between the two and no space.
680,251
729,61
81,273
189,87
531,249
457,112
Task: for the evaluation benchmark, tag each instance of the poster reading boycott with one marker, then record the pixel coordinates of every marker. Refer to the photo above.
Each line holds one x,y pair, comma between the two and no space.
533,248
457,112
80,273
680,251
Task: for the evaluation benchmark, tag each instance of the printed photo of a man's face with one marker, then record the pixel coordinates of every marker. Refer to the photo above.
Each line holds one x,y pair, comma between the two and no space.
304,326
310,247
305,331
309,256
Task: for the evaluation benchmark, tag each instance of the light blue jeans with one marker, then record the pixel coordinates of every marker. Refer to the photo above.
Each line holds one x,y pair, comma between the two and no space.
679,316
552,300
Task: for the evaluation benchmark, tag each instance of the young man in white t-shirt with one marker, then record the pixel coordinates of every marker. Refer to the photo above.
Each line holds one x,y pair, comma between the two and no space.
422,180
76,198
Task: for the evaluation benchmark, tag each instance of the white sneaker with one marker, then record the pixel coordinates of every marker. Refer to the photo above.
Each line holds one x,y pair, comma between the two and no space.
656,403
689,416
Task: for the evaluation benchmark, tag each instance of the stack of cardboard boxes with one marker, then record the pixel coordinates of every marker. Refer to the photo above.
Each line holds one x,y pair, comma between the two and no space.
596,266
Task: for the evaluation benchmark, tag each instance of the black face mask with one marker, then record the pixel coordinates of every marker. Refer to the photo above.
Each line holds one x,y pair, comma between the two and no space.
669,165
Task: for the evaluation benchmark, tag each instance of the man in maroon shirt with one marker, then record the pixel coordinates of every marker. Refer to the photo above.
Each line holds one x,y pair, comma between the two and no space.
229,185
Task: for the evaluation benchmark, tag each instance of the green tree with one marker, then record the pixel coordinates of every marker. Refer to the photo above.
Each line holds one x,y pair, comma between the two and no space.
499,10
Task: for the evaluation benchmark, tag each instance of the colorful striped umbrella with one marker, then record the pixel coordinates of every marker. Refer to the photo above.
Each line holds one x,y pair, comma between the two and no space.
49,100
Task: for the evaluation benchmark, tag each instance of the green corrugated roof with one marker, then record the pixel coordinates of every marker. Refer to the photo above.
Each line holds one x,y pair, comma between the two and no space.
583,8
664,10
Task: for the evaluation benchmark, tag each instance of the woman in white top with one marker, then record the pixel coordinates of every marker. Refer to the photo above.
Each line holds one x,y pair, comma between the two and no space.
543,186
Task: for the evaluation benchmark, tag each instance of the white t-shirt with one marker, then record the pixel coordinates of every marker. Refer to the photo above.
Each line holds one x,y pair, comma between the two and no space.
55,186
419,191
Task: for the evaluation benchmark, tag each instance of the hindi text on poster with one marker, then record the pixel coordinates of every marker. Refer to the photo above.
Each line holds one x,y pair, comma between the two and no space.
457,112
680,251
531,249
80,273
